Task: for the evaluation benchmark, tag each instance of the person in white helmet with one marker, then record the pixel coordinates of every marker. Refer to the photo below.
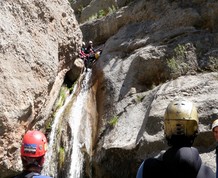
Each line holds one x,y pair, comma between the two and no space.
90,53
90,49
181,160
215,133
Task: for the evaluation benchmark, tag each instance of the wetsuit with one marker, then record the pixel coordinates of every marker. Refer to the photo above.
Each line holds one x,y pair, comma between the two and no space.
176,162
27,174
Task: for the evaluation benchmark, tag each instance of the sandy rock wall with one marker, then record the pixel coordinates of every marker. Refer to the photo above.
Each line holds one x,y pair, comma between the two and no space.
39,42
156,52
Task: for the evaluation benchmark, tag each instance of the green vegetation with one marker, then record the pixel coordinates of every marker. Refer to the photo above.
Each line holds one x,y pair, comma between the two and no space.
176,63
48,126
173,64
72,87
103,13
72,1
113,121
180,51
139,98
112,9
62,97
61,157
59,102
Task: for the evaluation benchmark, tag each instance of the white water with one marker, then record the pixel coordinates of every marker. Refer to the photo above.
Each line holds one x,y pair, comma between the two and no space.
76,115
78,140
49,165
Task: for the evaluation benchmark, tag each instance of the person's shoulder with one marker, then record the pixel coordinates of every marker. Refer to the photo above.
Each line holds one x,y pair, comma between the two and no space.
41,176
30,175
160,155
21,175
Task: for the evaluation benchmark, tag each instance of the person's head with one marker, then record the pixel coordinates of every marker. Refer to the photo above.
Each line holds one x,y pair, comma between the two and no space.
215,129
181,122
90,43
33,149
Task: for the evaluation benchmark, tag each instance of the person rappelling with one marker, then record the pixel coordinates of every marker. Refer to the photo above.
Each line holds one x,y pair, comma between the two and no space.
89,55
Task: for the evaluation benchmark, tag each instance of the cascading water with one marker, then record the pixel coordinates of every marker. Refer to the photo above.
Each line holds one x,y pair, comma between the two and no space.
49,165
80,136
76,125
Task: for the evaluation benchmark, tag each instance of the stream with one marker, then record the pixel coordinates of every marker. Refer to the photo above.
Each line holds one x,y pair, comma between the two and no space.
78,128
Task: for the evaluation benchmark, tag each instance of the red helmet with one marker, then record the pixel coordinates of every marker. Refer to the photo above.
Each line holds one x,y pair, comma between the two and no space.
34,144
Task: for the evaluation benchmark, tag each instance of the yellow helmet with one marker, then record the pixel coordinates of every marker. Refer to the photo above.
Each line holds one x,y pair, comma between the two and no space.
97,55
214,124
181,118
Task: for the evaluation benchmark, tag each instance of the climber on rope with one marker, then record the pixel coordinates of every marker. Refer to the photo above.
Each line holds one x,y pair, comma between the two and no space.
181,160
90,49
33,149
94,57
82,54
91,55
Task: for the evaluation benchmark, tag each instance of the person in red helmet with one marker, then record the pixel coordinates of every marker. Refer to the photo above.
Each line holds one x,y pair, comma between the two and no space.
33,149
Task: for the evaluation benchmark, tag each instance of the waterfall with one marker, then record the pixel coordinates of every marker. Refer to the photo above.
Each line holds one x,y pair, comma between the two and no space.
77,124
80,132
49,165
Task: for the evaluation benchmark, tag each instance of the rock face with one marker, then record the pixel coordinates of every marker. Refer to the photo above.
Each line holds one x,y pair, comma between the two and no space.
154,52
39,42
87,10
158,51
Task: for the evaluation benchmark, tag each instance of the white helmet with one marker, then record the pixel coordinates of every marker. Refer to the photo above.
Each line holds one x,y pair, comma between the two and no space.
215,124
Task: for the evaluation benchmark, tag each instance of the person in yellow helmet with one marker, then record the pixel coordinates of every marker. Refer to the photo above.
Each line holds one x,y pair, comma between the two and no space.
181,160
215,133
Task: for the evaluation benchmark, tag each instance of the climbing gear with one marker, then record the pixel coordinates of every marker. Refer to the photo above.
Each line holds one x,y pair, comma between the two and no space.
34,144
97,55
181,118
214,124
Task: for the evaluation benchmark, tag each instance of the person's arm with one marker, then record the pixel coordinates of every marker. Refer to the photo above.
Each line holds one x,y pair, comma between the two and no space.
140,171
151,168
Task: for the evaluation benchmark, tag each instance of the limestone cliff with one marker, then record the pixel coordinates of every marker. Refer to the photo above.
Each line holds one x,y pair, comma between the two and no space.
153,52
39,42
